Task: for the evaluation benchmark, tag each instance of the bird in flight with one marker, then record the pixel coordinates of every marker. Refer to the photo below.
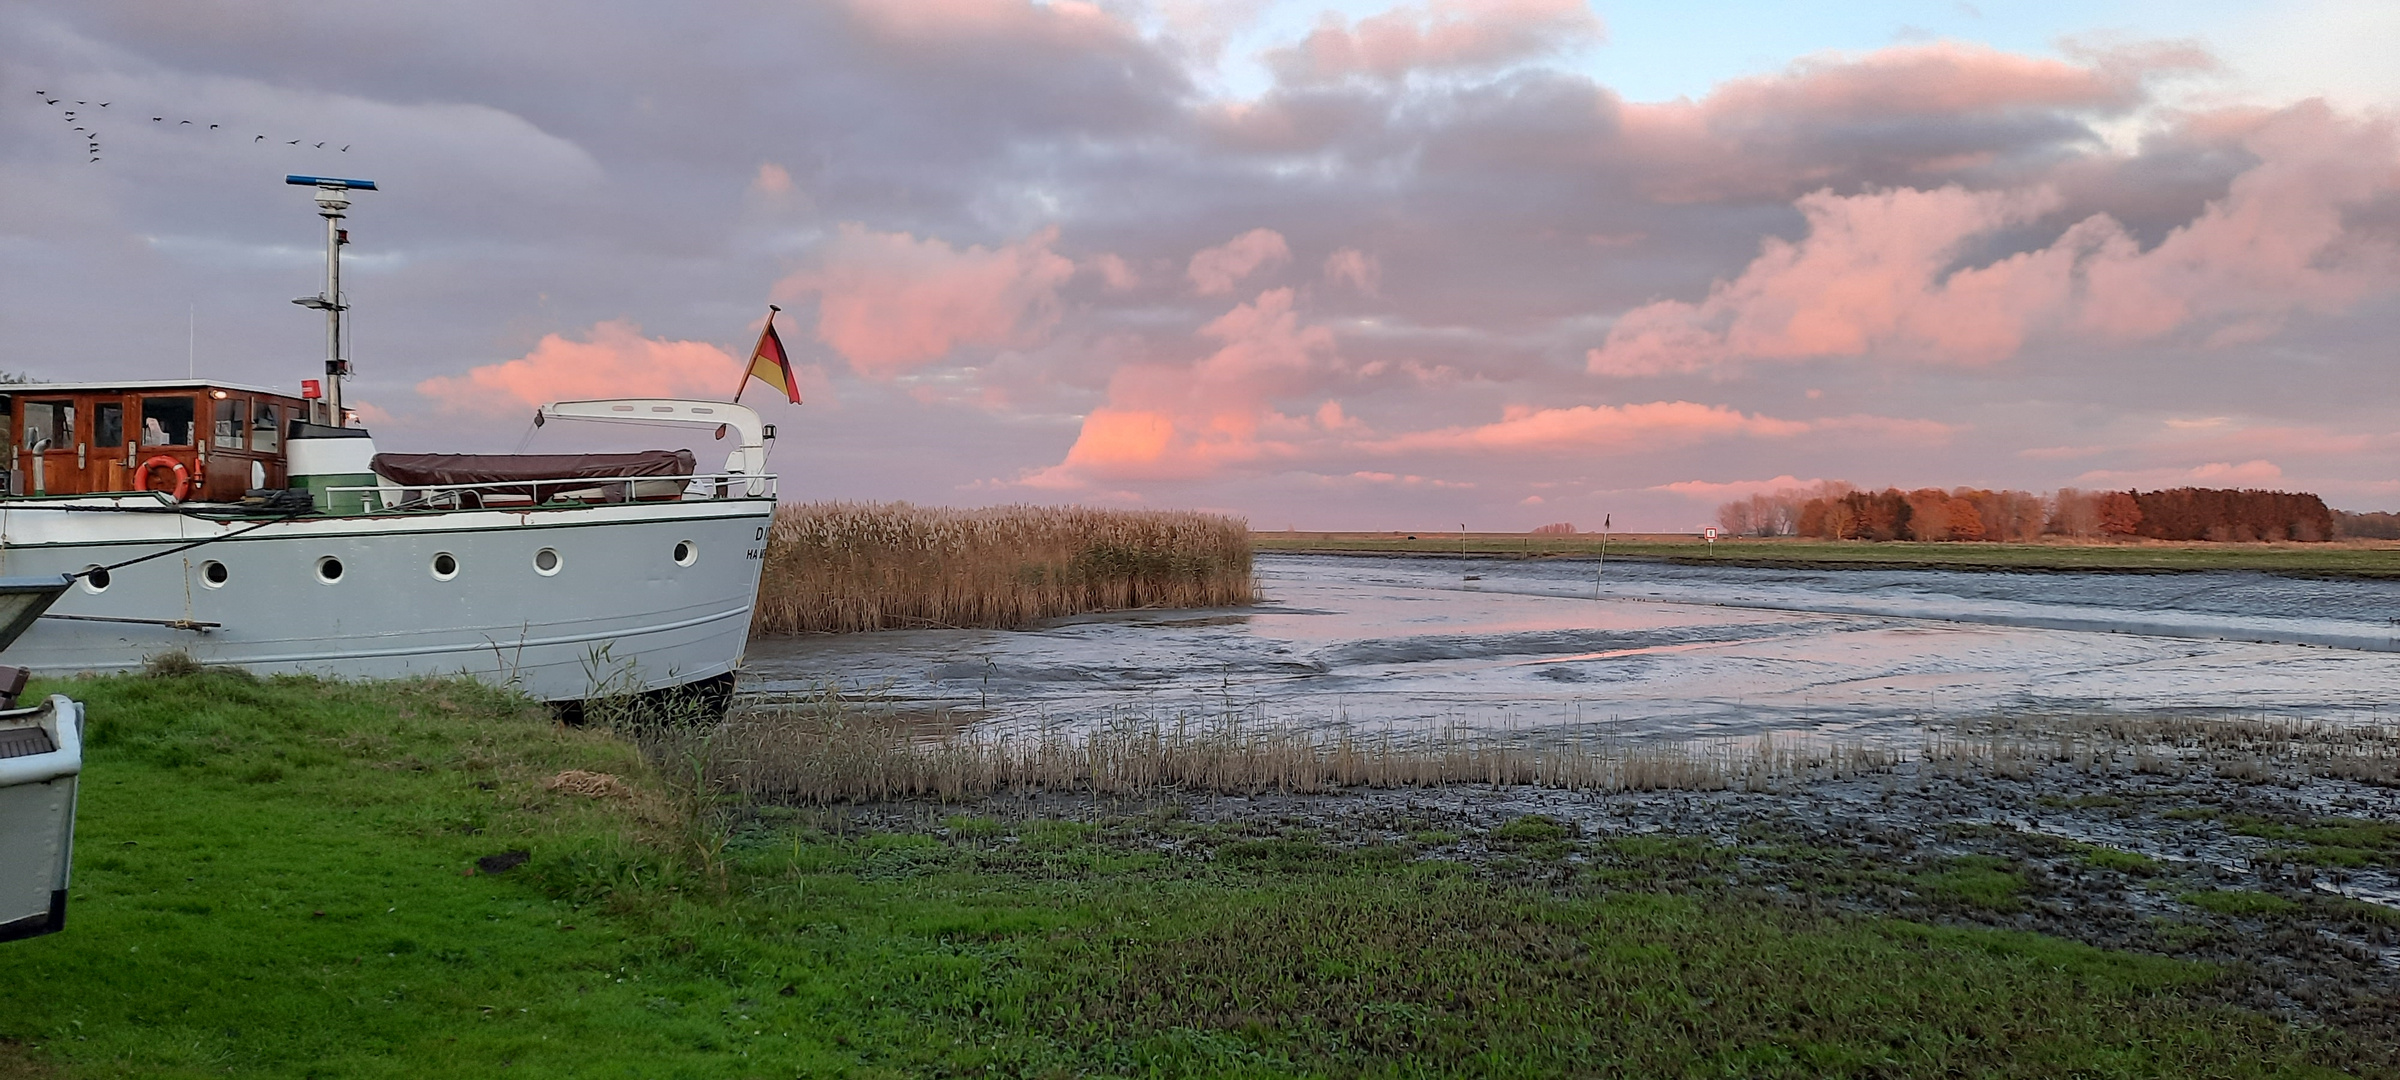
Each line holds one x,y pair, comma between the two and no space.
345,149
187,121
259,139
213,127
291,142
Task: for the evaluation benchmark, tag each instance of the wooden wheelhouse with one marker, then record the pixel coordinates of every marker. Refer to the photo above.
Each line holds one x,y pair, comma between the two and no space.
86,438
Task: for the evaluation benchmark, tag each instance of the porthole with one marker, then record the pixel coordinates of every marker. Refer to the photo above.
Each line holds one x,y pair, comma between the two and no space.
329,569
685,553
213,574
545,561
95,578
445,566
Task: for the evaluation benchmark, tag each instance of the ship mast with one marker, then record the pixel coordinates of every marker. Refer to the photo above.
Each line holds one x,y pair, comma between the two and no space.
333,197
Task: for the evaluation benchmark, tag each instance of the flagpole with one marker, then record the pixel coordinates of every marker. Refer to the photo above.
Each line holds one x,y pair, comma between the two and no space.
753,357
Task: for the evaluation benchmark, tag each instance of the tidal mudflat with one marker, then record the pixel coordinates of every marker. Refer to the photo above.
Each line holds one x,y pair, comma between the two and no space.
1652,650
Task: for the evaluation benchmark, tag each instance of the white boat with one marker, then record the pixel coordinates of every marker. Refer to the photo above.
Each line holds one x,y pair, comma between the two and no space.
41,762
275,538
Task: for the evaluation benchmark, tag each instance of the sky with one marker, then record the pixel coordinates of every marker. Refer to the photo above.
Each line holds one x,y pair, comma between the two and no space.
1347,265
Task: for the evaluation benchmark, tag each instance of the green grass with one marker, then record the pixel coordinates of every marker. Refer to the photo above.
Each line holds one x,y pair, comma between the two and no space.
2239,902
272,881
2126,862
1982,881
2336,841
2330,560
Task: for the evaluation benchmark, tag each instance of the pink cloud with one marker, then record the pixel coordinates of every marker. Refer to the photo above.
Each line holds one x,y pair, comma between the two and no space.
1114,272
1402,480
2258,473
927,21
2281,240
1949,77
1446,35
1215,271
1762,135
1163,422
1582,428
1523,428
1356,269
1873,275
889,302
2061,453
614,361
1866,277
772,179
1715,491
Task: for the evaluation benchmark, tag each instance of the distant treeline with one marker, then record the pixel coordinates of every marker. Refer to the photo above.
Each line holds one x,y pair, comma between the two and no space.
2374,526
1838,511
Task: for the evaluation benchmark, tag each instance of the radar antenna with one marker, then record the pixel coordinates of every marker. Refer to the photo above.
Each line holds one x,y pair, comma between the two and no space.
333,197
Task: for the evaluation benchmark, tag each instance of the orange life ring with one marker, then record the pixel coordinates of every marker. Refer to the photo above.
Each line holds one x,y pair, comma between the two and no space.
183,476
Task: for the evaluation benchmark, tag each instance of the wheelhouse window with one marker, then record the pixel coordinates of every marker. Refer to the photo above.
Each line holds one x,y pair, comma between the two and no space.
167,421
49,425
266,434
233,420
108,424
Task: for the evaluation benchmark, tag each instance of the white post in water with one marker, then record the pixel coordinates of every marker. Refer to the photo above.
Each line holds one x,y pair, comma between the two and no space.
333,197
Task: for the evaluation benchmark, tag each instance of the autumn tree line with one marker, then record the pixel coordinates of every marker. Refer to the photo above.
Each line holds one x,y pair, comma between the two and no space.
1838,511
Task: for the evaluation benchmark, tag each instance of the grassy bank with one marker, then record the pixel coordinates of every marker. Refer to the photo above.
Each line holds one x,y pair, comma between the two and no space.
839,567
280,878
2358,558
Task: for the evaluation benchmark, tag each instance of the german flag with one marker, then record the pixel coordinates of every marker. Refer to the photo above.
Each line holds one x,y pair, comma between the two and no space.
770,364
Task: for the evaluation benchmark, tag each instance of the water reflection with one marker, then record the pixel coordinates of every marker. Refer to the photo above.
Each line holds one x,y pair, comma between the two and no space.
1652,650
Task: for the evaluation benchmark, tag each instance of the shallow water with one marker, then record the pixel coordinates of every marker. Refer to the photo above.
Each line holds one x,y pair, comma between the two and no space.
1650,649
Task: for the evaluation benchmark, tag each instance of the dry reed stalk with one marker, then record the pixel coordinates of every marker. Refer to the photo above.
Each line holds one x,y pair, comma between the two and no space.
2257,749
830,749
842,567
814,755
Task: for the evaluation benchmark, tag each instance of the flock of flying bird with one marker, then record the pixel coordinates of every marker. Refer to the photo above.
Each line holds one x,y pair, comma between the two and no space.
78,114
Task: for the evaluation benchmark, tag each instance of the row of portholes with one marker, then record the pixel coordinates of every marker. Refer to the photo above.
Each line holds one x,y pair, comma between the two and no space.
546,562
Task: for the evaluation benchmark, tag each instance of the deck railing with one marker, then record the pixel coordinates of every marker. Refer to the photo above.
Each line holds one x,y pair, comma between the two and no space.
390,497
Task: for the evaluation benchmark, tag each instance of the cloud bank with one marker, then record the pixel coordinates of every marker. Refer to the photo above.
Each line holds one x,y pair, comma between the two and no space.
1422,262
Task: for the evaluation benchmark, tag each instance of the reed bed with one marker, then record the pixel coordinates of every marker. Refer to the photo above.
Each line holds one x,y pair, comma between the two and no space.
843,567
837,748
2249,749
810,753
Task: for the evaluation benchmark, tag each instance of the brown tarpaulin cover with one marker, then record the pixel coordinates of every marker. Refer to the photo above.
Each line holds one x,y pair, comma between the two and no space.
427,470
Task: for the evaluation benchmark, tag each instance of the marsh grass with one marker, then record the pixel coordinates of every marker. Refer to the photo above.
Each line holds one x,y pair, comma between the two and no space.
842,567
834,748
2249,749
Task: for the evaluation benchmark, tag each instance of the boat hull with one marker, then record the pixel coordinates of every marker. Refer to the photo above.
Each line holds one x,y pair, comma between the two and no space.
632,597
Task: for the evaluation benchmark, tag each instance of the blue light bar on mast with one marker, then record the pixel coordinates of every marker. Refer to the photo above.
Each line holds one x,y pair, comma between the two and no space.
328,181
